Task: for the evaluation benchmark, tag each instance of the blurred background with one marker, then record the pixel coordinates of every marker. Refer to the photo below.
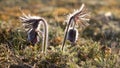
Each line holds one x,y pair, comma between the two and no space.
104,23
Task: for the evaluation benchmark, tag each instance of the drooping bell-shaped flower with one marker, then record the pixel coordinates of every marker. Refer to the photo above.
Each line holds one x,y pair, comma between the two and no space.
33,25
33,36
72,35
77,18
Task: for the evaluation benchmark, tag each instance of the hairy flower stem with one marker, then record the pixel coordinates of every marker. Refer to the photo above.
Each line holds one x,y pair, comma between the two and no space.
45,36
66,32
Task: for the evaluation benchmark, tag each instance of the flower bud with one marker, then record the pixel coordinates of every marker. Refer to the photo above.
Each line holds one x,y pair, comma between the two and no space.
33,36
72,35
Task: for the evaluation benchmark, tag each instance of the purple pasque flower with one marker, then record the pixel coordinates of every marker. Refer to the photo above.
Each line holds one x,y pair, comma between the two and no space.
33,24
72,35
77,18
33,36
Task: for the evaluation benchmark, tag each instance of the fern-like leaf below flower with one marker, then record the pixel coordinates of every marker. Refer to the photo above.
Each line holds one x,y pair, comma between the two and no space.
30,21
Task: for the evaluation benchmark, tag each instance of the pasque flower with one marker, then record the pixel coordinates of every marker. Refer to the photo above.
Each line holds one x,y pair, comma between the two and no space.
33,36
33,24
72,35
78,17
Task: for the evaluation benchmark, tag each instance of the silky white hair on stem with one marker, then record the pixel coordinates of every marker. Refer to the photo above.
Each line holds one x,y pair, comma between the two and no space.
78,17
34,24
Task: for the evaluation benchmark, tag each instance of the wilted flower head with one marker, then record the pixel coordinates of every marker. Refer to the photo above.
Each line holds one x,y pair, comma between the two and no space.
72,35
